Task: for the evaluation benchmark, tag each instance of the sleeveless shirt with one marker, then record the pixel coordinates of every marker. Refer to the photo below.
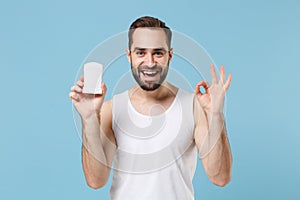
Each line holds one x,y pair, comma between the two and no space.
156,155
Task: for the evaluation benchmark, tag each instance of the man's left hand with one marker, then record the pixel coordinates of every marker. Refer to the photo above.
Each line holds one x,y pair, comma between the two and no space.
212,100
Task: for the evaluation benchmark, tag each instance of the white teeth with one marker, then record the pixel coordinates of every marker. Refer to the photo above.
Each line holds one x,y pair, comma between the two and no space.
149,73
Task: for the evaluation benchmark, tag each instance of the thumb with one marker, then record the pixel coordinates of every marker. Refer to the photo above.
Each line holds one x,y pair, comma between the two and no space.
104,88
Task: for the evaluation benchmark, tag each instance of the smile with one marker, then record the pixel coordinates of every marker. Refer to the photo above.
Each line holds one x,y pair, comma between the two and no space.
150,73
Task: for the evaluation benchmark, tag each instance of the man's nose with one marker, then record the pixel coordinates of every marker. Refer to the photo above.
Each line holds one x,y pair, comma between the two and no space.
150,62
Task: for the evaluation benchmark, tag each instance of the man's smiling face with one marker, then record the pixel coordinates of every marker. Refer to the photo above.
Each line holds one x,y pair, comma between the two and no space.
149,57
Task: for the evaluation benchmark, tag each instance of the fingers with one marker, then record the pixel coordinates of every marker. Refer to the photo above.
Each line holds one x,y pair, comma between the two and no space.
76,88
222,74
222,77
213,74
203,84
227,84
80,83
74,96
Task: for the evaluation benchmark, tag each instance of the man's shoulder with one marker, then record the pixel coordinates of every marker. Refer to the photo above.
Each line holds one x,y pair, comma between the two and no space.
116,95
186,93
183,90
107,103
106,107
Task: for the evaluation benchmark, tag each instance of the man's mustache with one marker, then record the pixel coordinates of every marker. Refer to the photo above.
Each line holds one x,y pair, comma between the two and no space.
153,68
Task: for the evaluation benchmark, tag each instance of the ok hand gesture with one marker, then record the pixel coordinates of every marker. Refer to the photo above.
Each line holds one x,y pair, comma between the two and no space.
212,100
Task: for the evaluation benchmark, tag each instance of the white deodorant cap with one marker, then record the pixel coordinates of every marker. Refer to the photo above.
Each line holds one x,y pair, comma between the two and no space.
92,78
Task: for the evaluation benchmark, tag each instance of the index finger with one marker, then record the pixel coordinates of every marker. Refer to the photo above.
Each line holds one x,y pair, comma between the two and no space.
199,84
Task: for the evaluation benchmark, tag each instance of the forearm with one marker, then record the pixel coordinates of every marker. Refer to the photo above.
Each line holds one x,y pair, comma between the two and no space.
94,160
216,149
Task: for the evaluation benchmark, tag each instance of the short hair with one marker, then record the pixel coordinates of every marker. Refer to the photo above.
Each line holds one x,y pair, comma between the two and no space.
149,22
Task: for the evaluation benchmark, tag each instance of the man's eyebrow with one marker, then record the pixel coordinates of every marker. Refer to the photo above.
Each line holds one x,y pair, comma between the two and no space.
139,49
154,49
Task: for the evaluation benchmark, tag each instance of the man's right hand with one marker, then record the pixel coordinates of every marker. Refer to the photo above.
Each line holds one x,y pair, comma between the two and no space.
86,104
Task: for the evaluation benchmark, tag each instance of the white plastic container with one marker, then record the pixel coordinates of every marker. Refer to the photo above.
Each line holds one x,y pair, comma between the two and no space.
92,78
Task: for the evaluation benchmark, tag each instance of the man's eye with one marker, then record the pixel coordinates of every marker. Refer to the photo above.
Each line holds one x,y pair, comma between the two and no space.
140,53
158,53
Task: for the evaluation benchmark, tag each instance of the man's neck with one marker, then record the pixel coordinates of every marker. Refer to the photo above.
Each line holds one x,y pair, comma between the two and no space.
164,91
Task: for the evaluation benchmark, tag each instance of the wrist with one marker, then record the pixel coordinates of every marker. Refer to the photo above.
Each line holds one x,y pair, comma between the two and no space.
213,112
91,118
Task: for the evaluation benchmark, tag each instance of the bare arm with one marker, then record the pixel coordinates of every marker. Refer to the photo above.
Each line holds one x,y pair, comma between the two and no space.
98,142
98,147
210,131
213,145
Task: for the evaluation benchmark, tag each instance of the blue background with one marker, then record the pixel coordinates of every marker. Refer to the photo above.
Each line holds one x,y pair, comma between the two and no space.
43,43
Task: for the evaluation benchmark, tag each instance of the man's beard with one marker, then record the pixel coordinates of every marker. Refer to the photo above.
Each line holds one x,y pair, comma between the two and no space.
150,85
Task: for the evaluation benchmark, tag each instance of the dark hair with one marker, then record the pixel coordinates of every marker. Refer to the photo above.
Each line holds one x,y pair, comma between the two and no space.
149,22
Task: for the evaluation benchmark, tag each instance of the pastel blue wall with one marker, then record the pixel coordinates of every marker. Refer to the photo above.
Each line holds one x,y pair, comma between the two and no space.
43,43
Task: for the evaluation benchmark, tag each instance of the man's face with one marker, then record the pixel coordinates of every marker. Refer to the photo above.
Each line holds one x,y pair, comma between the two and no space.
149,57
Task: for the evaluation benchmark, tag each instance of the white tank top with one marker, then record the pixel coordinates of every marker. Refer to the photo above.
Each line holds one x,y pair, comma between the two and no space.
156,155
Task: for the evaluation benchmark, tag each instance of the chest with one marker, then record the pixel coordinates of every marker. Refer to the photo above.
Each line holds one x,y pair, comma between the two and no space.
151,108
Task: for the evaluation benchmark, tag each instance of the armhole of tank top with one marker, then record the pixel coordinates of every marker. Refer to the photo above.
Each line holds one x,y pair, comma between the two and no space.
115,100
193,108
113,113
193,116
190,98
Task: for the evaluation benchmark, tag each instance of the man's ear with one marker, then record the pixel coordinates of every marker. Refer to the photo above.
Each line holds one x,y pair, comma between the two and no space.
128,53
170,54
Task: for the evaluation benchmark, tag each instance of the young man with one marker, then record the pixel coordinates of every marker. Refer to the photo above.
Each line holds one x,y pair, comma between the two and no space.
153,131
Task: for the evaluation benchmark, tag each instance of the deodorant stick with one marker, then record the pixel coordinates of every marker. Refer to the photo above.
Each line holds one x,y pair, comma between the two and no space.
92,78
